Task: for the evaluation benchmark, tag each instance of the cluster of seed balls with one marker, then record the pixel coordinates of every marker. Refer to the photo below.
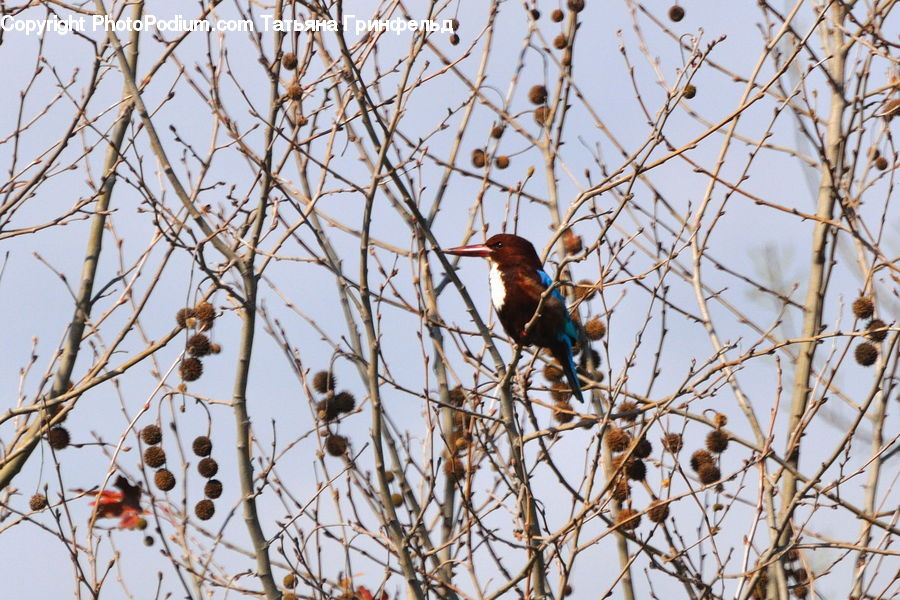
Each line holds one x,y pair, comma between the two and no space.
705,461
200,318
676,14
155,458
628,465
289,582
330,408
867,353
294,91
459,438
561,41
796,574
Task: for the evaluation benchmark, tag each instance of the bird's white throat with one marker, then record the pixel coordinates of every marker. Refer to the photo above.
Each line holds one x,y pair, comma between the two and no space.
498,288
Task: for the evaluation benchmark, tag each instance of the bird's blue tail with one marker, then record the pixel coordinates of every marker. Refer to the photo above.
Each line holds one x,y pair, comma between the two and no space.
563,354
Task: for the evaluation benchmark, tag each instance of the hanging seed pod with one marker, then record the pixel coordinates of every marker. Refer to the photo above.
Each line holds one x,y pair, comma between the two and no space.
154,457
658,511
324,382
344,402
212,489
185,317
621,491
628,519
617,439
676,13
336,445
190,369
207,467
58,438
151,434
643,448
164,480
876,330
636,470
717,441
537,94
866,354
595,329
289,61
563,413
863,307
709,473
672,443
700,458
205,509
199,345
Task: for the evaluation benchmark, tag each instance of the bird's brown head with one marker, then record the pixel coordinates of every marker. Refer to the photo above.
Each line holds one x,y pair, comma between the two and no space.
505,249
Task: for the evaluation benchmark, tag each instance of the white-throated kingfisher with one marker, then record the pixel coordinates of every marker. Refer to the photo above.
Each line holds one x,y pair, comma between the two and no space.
518,281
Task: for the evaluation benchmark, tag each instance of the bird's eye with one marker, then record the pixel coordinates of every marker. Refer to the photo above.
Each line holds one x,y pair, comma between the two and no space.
498,245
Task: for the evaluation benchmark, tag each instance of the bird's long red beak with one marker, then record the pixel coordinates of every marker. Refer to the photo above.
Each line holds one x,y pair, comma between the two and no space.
476,250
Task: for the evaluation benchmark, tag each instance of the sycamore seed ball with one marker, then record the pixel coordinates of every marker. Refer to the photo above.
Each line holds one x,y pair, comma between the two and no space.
866,354
151,434
537,94
672,443
199,345
658,511
205,509
563,413
208,467
202,445
154,457
595,329
700,458
212,489
58,438
190,369
324,382
289,61
863,307
717,441
643,448
709,473
628,519
617,439
164,480
876,330
37,502
336,445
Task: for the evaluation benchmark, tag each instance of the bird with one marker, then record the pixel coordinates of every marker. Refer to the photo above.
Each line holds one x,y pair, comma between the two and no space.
518,281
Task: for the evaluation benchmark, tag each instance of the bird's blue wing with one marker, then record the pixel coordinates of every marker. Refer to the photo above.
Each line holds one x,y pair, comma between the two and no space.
570,331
